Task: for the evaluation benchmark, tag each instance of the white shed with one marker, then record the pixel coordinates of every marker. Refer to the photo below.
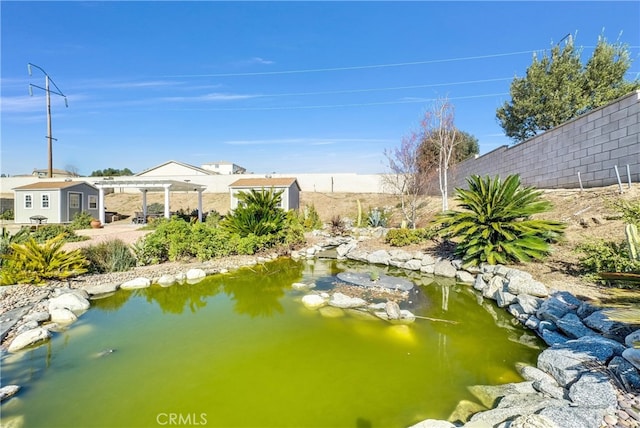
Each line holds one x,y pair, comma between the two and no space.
54,201
290,199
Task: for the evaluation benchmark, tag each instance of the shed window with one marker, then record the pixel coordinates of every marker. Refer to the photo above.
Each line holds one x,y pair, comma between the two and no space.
45,200
28,201
93,202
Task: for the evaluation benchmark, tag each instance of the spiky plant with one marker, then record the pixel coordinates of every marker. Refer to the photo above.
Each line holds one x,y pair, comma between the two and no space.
496,224
258,213
35,263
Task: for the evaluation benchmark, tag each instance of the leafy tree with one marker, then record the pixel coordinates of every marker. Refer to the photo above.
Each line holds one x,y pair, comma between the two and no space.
558,87
111,172
496,224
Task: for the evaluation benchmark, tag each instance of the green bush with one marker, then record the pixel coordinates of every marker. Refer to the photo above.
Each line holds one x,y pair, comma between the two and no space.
258,213
628,210
50,231
81,220
378,217
7,215
403,237
496,224
109,256
605,256
6,239
36,263
310,218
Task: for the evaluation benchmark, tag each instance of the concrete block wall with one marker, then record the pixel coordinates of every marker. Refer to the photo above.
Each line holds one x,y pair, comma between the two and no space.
591,144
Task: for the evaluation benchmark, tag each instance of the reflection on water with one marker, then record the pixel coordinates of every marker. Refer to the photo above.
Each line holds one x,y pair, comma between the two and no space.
241,349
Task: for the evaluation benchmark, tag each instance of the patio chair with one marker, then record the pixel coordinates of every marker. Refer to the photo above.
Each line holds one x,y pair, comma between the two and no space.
139,218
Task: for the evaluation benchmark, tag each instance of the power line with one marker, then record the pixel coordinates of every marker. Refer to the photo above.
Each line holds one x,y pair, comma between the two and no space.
357,67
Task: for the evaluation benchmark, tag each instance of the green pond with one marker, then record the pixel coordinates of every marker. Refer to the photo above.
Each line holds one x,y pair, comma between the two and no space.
240,350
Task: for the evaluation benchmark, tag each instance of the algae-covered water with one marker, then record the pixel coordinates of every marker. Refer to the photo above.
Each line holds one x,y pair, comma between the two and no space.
240,350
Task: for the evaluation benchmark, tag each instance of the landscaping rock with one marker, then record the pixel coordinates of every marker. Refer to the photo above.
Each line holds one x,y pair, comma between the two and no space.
633,356
313,301
445,268
489,394
70,301
380,257
600,322
625,372
572,326
552,309
38,317
412,264
28,338
465,277
340,300
479,283
63,316
632,340
8,391
532,421
101,288
529,303
523,284
573,417
594,389
400,255
504,298
166,280
195,275
136,283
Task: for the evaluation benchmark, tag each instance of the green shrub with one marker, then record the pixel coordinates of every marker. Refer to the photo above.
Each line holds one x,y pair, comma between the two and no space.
310,218
6,239
50,231
628,210
7,215
605,256
378,217
258,213
403,237
35,263
496,224
337,226
81,220
110,256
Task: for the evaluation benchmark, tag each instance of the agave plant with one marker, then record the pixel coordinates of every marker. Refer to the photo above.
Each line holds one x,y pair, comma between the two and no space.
35,263
258,213
496,224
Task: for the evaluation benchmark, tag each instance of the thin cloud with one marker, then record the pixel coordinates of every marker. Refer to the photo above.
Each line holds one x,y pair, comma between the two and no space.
213,97
258,60
303,141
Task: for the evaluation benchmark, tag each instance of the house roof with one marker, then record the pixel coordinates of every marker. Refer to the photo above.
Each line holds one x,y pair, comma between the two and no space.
265,182
51,185
55,171
185,165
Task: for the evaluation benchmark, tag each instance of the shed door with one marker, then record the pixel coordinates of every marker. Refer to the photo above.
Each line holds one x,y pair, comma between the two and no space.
75,205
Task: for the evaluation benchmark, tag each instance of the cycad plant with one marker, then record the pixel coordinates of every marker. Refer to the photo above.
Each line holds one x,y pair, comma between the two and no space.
258,213
496,224
35,263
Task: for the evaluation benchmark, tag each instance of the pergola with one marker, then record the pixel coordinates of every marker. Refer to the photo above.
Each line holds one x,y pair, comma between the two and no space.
166,186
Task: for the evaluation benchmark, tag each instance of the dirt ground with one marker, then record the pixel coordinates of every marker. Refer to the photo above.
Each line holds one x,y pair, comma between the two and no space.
587,213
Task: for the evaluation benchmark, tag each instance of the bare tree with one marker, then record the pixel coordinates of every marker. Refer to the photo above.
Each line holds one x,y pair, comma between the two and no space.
406,177
439,131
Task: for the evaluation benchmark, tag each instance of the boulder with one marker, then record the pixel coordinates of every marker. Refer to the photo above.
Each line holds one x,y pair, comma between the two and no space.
101,288
433,423
517,312
380,257
136,283
522,283
412,264
504,298
532,421
479,283
633,356
358,255
344,249
488,395
494,285
594,389
572,326
400,255
195,275
37,317
313,301
599,321
8,391
392,309
628,375
302,286
529,303
28,338
632,340
553,309
340,300
573,417
465,277
445,268
63,316
166,280
428,260
70,301
428,269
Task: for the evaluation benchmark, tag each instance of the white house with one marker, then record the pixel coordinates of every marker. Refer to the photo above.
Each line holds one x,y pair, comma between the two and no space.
54,201
224,168
290,198
173,168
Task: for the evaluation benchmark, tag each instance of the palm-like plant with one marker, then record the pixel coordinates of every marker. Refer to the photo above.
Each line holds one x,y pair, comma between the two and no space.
496,226
35,263
258,213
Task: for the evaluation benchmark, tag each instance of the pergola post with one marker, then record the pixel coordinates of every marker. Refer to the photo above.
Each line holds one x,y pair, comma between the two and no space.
167,212
200,205
144,203
101,215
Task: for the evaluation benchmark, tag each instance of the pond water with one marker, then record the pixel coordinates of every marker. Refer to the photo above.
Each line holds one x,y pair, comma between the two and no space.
240,350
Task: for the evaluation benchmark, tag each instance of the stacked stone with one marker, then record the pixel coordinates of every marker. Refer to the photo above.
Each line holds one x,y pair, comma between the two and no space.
580,380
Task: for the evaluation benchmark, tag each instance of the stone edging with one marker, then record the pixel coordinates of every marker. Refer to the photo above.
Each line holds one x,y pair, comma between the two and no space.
579,380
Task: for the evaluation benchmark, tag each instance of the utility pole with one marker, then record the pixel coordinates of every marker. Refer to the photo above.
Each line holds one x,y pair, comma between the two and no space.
48,91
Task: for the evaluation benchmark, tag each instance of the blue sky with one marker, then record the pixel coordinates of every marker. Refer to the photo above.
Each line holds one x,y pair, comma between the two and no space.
285,87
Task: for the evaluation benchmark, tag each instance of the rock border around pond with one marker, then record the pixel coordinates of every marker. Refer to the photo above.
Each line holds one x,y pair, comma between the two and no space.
582,380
